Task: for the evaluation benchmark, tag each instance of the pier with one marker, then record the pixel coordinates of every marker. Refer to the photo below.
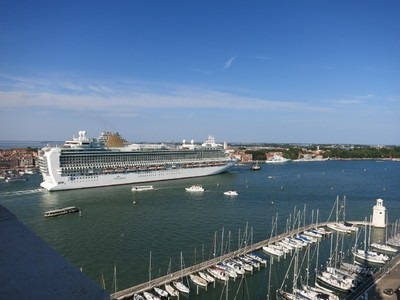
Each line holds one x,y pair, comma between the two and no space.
146,286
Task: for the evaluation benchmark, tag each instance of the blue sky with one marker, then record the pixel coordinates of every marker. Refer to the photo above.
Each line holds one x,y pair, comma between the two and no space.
307,71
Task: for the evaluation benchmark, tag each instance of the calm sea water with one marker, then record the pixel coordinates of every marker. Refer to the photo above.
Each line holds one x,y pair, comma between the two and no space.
168,221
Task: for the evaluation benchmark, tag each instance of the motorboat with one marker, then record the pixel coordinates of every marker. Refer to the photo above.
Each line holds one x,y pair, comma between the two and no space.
230,193
139,188
276,159
14,178
195,188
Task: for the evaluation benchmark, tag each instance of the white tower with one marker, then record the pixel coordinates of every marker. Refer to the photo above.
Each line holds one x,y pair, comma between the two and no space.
379,214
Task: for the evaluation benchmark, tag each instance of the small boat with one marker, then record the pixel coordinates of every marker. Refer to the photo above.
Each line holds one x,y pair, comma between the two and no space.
171,291
258,258
150,296
139,188
383,247
160,292
236,267
198,280
206,276
230,193
138,297
255,167
181,287
371,256
272,251
195,188
276,159
62,211
218,274
15,178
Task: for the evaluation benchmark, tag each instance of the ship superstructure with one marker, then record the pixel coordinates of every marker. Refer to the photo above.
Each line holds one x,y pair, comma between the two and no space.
108,160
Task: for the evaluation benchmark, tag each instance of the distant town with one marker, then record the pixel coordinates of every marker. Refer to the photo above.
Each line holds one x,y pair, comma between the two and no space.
16,161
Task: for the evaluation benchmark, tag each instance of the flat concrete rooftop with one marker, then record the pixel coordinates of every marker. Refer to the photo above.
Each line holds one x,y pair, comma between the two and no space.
31,269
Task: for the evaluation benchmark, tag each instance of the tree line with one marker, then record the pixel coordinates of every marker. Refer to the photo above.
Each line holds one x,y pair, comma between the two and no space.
354,152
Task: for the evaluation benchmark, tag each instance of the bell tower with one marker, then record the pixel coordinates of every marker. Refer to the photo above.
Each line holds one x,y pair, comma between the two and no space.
379,214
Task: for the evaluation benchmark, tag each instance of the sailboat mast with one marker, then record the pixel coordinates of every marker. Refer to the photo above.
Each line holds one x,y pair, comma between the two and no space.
115,278
337,209
344,208
150,267
222,242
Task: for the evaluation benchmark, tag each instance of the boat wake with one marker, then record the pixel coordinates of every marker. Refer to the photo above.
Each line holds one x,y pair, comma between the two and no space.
24,192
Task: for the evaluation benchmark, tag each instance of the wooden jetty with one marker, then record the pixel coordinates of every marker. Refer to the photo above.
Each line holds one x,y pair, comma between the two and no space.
129,292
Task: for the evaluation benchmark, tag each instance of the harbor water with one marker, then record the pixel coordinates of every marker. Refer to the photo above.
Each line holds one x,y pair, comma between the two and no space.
143,235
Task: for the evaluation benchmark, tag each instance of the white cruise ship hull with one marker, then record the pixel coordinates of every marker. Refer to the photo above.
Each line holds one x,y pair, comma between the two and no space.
58,183
86,163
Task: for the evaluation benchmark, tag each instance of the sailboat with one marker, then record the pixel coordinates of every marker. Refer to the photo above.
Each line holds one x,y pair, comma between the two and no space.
384,246
330,277
285,294
305,292
171,291
340,226
179,285
367,255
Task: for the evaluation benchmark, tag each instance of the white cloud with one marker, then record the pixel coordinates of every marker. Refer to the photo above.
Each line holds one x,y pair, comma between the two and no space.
228,63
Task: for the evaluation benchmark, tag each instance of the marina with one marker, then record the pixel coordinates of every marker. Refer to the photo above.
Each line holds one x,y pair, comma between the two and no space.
220,269
169,222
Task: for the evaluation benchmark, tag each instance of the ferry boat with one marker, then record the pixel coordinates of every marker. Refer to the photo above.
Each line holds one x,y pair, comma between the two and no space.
61,211
139,188
109,160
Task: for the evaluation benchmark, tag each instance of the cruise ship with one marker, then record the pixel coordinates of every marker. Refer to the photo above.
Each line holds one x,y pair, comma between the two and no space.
109,160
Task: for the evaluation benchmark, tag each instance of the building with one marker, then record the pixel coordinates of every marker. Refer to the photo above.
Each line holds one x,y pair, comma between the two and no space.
379,214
